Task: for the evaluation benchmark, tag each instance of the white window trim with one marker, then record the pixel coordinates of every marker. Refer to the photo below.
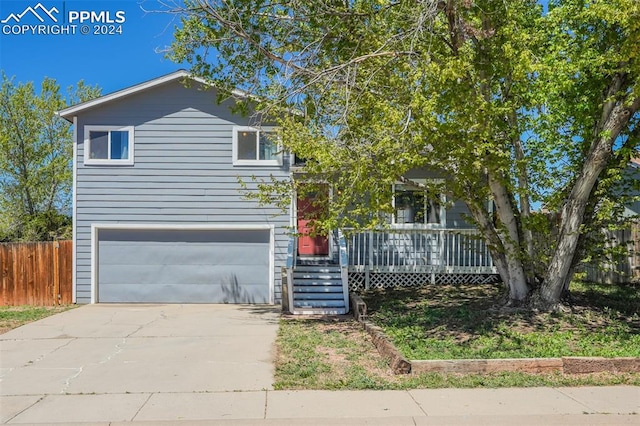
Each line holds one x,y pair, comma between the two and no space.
443,214
256,162
105,162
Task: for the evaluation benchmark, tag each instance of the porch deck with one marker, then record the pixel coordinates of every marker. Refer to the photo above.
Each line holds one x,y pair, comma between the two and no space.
454,251
384,258
414,256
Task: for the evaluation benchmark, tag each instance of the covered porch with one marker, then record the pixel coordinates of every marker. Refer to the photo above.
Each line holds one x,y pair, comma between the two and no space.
383,258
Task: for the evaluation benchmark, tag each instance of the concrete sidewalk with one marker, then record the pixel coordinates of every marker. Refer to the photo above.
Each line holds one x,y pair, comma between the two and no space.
522,406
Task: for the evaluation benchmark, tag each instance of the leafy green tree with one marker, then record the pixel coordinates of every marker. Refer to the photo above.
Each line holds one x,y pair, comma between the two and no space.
507,101
36,149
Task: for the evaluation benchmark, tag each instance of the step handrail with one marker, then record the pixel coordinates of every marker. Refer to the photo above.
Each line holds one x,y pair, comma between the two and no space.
291,261
344,267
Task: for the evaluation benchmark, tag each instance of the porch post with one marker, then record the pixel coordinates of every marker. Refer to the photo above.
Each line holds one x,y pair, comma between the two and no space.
367,281
291,261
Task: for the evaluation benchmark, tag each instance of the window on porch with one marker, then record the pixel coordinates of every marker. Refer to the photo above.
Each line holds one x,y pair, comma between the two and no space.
415,206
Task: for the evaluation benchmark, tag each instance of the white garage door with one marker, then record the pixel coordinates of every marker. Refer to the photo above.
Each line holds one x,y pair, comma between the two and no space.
183,266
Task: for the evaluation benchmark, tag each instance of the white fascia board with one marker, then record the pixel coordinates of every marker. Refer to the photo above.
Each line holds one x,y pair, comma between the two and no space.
69,112
72,110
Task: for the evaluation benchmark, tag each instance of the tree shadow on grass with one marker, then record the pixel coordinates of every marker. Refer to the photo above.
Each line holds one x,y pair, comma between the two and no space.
464,313
624,299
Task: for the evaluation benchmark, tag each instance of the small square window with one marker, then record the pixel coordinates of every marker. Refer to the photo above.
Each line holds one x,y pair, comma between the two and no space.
268,146
99,145
253,146
119,145
247,145
413,206
108,145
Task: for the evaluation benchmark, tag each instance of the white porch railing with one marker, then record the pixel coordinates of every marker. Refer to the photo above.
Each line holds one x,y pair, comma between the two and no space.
448,251
343,257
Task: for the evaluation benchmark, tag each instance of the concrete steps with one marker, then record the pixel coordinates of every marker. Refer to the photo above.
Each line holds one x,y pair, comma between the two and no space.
317,290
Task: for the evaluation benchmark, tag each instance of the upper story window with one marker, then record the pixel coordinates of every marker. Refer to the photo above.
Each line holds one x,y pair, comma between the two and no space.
414,206
252,146
108,145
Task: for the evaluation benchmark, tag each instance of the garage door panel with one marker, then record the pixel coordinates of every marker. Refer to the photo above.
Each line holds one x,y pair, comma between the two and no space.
183,266
143,253
185,235
186,293
182,274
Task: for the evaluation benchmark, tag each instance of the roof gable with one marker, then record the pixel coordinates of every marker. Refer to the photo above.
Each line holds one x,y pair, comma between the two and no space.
70,112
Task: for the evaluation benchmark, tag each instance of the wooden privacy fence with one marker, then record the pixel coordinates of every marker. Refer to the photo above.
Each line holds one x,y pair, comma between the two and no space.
627,269
36,273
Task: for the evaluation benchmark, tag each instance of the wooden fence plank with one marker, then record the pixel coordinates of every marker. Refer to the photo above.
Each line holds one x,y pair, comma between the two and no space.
65,269
36,273
56,272
627,269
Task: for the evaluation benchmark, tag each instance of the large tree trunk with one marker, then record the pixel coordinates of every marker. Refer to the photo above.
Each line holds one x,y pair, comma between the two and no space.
525,206
615,117
508,231
488,231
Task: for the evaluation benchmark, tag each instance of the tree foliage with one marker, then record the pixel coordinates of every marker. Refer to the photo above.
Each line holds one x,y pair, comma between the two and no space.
508,101
36,150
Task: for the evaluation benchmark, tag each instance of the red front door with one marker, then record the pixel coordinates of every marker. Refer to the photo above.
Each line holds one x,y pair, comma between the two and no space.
310,245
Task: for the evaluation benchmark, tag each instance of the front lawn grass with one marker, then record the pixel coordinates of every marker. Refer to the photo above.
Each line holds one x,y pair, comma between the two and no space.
14,316
463,322
339,355
327,354
457,322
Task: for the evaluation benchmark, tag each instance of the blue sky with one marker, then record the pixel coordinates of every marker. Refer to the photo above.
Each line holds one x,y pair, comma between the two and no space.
112,61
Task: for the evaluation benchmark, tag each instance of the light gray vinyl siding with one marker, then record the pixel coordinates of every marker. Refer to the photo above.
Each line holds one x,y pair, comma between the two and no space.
457,212
182,172
457,215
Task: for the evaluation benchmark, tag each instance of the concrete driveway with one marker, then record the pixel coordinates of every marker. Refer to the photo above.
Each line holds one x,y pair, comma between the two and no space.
140,349
168,364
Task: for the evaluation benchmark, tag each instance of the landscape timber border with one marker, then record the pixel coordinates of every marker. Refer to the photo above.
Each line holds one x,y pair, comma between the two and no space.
566,365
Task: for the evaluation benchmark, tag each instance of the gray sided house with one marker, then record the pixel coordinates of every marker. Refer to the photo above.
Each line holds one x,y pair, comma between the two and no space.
160,215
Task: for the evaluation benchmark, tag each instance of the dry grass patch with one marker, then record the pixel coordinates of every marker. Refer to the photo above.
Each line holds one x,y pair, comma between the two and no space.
14,316
328,353
444,322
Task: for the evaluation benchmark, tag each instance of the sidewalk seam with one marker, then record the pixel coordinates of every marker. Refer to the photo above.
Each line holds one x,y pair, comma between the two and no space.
418,404
589,409
266,399
141,407
26,408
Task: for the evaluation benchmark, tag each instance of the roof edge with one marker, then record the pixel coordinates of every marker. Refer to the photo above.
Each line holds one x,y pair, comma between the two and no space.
69,112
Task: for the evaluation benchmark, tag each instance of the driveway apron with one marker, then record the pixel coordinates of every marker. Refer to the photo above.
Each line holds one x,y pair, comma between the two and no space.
120,349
